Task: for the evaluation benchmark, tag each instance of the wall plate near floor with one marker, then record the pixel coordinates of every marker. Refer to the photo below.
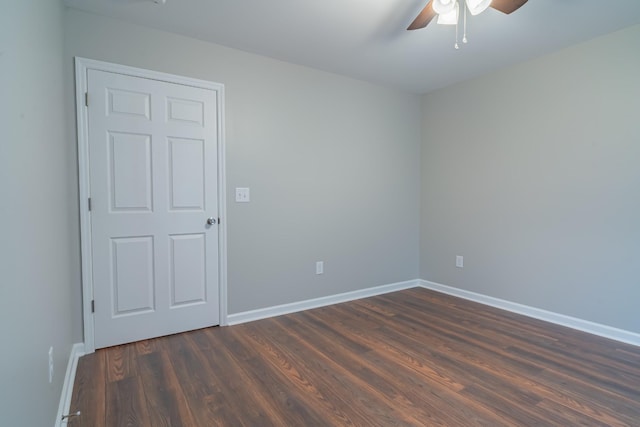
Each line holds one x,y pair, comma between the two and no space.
50,364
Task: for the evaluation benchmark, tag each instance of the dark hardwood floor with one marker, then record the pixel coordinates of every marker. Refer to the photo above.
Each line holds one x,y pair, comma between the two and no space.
410,358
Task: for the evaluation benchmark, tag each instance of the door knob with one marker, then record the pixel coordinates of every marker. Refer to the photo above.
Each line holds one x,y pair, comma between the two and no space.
211,220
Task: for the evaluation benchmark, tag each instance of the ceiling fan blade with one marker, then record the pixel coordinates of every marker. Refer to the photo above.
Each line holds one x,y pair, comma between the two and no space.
423,18
507,6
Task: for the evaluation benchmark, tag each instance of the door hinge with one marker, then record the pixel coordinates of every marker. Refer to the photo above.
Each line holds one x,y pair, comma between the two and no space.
218,221
86,99
93,306
89,203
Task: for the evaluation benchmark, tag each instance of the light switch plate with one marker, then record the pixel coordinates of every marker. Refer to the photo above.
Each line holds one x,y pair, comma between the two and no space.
459,261
242,195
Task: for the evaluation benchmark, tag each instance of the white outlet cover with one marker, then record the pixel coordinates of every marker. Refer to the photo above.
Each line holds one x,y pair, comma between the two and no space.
459,261
50,364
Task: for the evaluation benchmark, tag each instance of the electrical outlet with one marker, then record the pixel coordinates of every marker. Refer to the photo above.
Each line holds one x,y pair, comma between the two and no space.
459,261
51,364
320,267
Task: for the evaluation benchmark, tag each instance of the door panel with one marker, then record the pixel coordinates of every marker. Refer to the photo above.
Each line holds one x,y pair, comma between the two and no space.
186,174
129,172
188,272
132,275
129,103
153,182
186,111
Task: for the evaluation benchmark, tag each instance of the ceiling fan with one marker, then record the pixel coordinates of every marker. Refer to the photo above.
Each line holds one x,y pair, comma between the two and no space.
448,8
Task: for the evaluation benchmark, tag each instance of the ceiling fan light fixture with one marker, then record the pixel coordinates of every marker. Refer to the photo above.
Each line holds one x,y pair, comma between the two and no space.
442,7
449,18
477,6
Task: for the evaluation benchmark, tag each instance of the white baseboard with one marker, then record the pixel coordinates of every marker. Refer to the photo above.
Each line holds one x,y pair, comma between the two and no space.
77,350
263,313
537,313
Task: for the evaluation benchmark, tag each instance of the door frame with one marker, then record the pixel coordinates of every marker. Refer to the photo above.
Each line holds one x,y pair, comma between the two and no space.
82,65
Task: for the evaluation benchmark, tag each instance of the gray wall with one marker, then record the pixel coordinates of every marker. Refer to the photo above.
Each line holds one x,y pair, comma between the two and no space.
38,249
532,174
538,190
332,163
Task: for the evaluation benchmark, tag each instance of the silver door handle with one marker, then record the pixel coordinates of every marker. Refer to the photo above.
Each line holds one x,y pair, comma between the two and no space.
211,220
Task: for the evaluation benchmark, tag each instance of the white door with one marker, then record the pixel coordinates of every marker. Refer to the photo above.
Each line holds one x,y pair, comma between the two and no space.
153,186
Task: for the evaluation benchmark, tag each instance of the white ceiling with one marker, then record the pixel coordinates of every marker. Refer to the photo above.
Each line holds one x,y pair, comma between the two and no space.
367,39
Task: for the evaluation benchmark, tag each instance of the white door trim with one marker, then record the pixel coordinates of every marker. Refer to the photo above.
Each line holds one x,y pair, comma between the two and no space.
82,65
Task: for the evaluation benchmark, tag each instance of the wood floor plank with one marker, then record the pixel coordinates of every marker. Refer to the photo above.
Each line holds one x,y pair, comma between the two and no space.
223,371
425,397
89,391
126,404
243,387
162,392
295,375
145,347
399,353
311,361
466,367
204,397
268,373
575,416
450,351
120,362
408,358
532,379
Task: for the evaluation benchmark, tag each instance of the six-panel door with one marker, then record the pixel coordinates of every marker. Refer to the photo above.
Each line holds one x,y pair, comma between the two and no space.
153,185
